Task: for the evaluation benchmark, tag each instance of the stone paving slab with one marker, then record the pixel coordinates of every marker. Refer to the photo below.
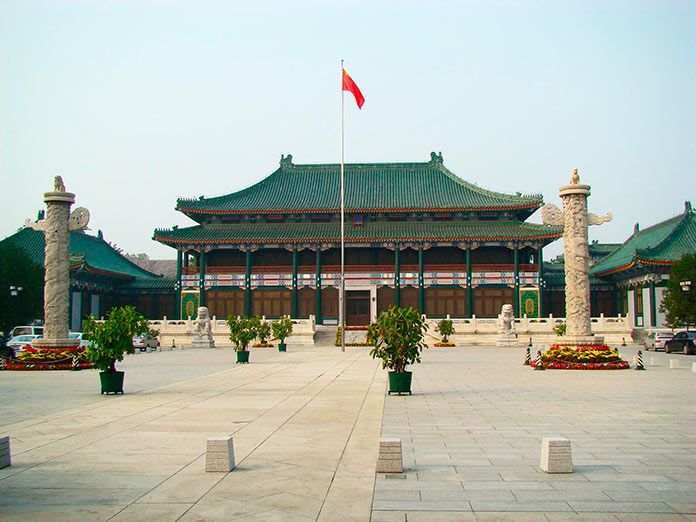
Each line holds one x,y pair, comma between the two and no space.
472,432
305,426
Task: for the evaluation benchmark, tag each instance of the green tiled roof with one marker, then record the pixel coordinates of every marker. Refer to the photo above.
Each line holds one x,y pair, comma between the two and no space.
602,249
554,276
661,244
149,283
93,253
369,187
378,231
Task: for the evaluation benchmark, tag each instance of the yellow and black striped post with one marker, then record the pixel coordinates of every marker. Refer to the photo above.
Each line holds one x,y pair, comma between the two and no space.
639,361
527,357
538,364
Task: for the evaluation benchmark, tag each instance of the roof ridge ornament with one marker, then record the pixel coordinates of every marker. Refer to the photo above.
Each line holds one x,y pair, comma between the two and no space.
436,157
285,161
687,206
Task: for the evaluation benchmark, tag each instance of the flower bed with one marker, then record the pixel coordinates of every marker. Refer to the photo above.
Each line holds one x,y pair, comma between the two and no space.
262,345
448,343
600,357
353,343
32,359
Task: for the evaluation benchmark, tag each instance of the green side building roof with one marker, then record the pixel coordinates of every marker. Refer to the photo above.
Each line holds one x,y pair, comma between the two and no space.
660,244
369,187
86,252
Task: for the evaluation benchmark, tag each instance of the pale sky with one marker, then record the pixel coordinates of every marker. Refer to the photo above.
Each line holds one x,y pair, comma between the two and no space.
136,103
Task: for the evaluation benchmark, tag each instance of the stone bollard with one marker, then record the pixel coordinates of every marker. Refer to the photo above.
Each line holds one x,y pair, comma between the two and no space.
556,456
639,361
5,457
693,367
527,357
219,455
654,361
389,460
674,364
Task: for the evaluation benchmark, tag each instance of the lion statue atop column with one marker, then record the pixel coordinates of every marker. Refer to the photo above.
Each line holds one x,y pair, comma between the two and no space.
506,326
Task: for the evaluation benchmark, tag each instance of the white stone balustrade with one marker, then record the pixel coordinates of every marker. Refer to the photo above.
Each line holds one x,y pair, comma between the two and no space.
476,331
181,331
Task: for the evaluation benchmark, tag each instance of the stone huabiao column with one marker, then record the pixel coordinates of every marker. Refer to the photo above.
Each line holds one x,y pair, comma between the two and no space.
575,220
56,228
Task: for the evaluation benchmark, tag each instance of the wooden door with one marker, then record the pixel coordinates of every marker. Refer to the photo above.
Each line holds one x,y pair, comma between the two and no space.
358,308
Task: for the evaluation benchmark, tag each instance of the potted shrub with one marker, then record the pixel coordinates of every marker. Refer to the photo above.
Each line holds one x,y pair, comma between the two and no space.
398,339
445,328
282,328
263,332
242,332
111,339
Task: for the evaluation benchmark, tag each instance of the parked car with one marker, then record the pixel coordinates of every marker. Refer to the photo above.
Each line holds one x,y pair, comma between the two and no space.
145,341
20,341
5,351
682,342
84,343
656,340
27,330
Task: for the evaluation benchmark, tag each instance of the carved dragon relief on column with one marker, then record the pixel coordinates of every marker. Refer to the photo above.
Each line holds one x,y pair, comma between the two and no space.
56,227
574,219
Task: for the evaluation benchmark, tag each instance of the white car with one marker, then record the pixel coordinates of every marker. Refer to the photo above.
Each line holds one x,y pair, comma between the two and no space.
27,330
145,342
84,343
656,340
20,341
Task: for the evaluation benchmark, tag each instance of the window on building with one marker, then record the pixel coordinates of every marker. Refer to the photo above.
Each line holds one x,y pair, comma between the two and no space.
489,300
306,303
329,303
385,298
271,302
442,301
639,306
223,303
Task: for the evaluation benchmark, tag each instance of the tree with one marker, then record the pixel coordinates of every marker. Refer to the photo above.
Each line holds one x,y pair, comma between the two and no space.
679,305
137,257
18,270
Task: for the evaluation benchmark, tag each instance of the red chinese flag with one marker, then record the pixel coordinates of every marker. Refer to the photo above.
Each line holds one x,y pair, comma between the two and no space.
350,86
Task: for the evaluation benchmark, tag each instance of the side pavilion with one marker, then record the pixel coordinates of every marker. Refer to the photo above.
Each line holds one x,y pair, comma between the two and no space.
416,235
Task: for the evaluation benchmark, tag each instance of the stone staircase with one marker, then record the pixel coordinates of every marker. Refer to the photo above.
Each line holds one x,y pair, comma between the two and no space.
325,335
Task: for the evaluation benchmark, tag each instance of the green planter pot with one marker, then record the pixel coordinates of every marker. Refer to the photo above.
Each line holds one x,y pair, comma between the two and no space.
242,357
111,382
400,382
282,347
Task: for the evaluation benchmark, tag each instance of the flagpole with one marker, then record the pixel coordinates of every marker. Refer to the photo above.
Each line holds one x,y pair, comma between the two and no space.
342,293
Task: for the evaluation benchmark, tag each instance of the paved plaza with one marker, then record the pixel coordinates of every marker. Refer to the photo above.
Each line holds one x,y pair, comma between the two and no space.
306,427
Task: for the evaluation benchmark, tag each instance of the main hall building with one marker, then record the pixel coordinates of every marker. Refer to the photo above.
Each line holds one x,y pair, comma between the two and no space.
416,235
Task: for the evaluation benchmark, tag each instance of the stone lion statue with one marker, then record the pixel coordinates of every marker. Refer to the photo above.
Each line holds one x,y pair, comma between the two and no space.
202,323
506,321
